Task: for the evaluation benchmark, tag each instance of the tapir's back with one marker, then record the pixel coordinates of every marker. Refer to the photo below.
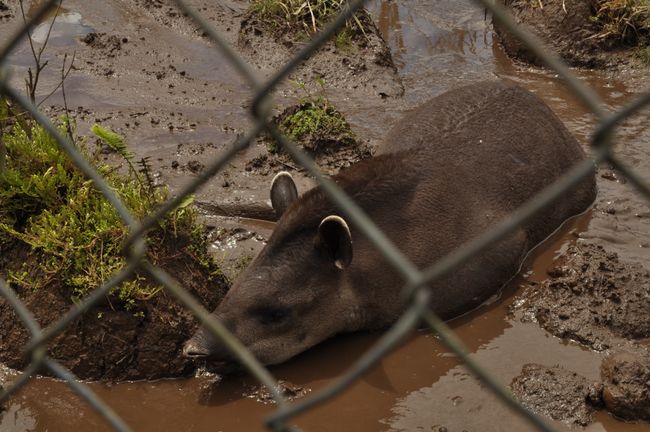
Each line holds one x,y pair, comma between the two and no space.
478,153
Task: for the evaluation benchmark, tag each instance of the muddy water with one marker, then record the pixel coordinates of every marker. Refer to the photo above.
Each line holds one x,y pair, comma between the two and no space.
421,386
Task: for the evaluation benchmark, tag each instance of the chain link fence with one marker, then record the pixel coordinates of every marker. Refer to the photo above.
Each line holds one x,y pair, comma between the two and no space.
415,280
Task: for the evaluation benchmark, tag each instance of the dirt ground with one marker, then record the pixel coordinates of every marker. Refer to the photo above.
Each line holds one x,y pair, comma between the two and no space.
569,29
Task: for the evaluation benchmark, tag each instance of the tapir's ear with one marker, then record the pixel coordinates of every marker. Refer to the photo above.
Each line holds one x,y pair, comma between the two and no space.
335,240
283,192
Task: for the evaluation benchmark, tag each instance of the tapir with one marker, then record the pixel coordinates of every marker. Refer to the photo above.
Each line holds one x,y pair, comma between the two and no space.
447,172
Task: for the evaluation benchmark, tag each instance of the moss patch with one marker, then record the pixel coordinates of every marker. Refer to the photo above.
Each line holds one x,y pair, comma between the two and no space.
316,125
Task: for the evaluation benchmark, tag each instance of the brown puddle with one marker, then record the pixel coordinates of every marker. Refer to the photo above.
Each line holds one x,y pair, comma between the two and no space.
420,386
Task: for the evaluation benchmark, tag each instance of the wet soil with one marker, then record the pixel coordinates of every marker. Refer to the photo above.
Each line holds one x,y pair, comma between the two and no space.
557,393
110,342
626,383
591,297
6,11
187,119
364,64
568,27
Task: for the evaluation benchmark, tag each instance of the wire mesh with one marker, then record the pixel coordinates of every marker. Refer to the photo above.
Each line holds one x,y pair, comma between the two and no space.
415,281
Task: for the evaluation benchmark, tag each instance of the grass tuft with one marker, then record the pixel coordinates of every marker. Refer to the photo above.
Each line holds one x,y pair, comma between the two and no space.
307,15
314,123
72,233
627,21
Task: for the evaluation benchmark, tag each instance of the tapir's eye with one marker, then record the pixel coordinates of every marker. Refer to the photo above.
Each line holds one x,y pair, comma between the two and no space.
271,315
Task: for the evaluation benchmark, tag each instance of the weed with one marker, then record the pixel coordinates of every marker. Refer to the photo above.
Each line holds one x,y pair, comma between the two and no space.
627,21
307,15
343,40
644,55
74,234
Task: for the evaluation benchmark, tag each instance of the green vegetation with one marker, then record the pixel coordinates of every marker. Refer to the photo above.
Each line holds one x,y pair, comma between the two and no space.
644,55
72,234
307,15
314,122
627,21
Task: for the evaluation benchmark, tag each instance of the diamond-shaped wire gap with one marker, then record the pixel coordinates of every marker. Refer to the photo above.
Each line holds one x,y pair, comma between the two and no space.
24,29
234,58
547,56
350,209
450,339
213,168
515,219
96,296
39,358
315,43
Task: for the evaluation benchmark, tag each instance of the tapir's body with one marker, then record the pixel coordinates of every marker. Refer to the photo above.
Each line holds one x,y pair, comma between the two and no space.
449,171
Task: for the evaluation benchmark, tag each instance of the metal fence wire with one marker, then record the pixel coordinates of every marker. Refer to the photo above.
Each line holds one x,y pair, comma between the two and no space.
415,280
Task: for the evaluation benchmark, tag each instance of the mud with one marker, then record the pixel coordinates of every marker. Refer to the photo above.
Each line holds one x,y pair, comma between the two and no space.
592,297
626,380
6,11
366,64
109,342
569,29
557,393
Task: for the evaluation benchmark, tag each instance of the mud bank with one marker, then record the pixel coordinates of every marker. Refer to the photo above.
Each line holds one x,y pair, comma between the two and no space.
364,63
572,29
556,393
593,298
109,342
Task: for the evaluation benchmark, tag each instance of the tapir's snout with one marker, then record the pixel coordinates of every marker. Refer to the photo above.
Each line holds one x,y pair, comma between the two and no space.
194,348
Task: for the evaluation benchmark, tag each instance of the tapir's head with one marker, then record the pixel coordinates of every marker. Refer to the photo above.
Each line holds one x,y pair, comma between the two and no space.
294,294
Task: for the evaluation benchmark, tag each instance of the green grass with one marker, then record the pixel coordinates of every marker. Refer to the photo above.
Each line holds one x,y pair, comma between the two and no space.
307,15
314,117
74,235
312,122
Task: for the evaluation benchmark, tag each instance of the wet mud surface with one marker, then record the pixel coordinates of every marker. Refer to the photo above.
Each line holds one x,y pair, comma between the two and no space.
145,71
364,65
557,393
591,297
